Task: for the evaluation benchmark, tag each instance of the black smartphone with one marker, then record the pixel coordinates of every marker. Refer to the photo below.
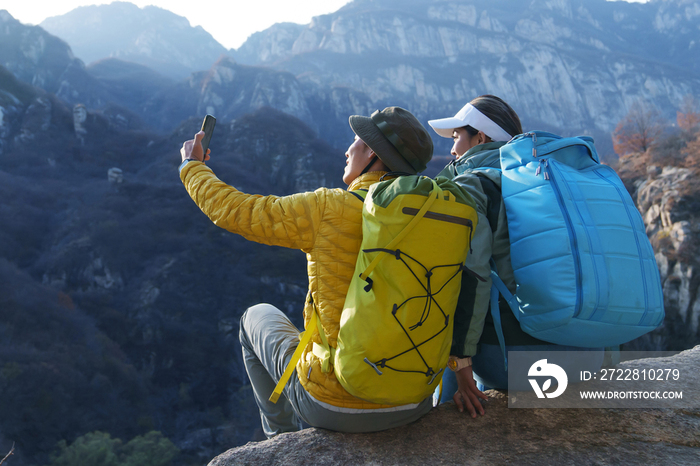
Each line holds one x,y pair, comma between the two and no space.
208,128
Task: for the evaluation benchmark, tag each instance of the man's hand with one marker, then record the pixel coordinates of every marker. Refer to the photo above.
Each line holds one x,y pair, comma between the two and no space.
192,149
467,394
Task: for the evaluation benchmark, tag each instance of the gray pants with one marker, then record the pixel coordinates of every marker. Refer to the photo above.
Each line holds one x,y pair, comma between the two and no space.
269,339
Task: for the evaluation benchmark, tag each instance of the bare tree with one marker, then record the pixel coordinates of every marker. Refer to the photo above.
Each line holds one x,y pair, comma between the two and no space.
688,119
638,130
12,452
692,154
688,116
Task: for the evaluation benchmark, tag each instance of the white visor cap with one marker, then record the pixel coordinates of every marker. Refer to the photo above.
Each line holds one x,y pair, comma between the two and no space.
470,115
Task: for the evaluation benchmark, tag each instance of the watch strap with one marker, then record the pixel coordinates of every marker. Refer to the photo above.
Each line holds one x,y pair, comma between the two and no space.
457,364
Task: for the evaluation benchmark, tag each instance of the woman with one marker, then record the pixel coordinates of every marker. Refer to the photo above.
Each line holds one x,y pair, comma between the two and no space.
478,130
327,225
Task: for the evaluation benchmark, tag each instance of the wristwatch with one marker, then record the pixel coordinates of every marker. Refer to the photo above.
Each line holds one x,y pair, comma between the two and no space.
456,364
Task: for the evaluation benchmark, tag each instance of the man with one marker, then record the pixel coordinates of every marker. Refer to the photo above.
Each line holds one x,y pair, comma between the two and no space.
327,225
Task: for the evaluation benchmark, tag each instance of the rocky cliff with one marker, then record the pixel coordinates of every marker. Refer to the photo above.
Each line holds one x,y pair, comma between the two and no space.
506,436
667,197
572,66
228,90
45,61
15,98
33,55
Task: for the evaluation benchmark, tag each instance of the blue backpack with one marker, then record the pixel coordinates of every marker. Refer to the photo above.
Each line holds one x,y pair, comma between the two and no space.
584,268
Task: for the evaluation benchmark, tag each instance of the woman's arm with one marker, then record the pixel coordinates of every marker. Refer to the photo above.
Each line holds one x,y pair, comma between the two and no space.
467,395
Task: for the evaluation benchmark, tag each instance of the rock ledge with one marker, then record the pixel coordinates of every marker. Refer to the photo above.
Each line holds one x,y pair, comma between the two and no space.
505,436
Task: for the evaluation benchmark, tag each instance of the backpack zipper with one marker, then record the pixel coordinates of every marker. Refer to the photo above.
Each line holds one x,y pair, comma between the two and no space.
600,284
549,175
639,247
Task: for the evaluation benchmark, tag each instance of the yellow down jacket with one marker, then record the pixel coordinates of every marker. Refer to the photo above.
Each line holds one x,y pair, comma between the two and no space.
326,224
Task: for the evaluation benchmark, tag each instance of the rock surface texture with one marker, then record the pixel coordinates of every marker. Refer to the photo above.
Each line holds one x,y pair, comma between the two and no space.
668,201
506,436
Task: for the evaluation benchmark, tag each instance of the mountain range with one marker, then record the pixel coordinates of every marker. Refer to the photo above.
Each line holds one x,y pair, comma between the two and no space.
569,66
148,36
119,300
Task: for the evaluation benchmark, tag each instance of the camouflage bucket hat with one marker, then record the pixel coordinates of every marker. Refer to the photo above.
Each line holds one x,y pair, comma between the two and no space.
397,137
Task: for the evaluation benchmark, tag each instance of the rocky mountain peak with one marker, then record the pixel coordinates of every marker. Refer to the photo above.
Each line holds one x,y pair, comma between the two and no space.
229,90
149,36
568,66
33,55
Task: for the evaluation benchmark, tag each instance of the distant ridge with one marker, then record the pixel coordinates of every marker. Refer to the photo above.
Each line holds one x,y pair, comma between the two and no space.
150,36
569,66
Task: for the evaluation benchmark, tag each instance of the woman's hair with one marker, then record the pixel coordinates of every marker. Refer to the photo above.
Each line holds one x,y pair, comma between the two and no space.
499,112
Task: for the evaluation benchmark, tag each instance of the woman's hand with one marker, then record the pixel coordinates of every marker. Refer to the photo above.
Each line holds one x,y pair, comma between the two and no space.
193,149
467,394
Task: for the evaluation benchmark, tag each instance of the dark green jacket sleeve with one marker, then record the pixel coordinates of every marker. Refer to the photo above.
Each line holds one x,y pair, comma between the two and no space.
480,177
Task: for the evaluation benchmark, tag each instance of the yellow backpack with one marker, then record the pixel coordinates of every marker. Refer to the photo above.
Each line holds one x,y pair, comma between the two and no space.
396,326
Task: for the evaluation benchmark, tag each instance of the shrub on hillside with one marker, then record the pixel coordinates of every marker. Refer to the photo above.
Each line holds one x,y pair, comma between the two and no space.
100,449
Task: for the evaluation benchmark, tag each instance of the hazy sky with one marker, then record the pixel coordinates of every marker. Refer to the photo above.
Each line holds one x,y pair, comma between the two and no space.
229,21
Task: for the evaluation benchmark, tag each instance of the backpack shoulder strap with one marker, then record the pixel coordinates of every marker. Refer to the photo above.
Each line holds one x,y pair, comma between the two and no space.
361,194
305,338
493,193
324,352
498,287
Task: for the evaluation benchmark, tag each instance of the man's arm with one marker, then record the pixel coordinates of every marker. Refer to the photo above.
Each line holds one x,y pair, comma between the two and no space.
290,221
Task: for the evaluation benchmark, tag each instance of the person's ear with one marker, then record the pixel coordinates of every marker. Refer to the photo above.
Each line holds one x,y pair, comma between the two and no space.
482,137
